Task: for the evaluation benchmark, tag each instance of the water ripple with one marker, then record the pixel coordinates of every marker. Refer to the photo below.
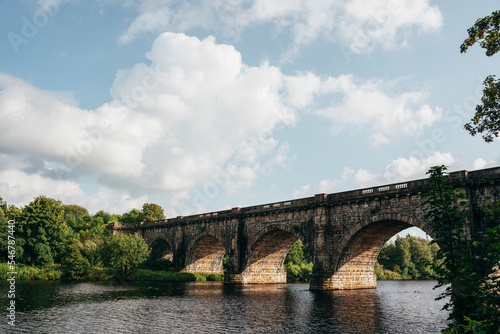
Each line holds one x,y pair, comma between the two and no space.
395,307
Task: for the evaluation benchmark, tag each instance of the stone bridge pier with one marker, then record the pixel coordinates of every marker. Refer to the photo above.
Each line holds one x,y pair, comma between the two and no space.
343,232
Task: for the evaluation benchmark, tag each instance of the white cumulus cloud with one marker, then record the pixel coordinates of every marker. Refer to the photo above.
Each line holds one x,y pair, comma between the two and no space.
194,115
479,163
403,169
194,112
368,105
358,25
325,186
20,188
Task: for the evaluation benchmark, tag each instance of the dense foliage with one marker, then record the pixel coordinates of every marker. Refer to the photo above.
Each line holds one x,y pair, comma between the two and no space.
298,264
42,232
125,251
486,120
152,212
66,238
468,268
407,258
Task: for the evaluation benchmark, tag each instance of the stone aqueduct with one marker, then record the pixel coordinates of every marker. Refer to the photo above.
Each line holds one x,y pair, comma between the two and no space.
343,232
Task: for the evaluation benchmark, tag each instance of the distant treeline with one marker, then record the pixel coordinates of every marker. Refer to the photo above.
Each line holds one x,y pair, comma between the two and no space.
407,258
49,240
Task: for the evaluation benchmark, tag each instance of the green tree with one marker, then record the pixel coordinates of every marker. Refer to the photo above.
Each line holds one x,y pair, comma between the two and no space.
386,257
74,265
152,212
98,230
105,216
402,257
296,254
116,218
486,120
125,252
11,211
421,257
489,249
3,204
77,217
90,250
464,283
298,263
74,210
44,230
436,260
4,242
134,216
93,229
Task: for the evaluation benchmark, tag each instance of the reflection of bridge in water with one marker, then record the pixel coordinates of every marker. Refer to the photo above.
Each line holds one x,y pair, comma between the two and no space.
343,232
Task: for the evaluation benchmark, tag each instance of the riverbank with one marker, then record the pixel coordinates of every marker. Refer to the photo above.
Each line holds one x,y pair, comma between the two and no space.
384,274
54,273
172,276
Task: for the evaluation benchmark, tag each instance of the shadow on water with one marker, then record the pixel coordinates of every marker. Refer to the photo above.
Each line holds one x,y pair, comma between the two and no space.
159,307
347,311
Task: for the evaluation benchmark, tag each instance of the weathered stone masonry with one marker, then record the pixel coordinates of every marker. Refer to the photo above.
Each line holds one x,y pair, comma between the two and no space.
343,232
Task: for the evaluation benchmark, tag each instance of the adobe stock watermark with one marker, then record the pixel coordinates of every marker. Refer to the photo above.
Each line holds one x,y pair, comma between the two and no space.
30,27
11,262
151,80
94,138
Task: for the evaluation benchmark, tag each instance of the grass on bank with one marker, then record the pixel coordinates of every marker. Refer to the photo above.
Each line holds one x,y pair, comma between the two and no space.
54,272
172,276
50,273
385,274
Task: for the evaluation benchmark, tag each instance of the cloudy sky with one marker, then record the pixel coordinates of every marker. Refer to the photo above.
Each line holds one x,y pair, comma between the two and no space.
207,105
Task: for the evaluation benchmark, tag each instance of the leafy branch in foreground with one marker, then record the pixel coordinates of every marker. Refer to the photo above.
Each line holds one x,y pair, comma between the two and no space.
487,117
486,120
486,30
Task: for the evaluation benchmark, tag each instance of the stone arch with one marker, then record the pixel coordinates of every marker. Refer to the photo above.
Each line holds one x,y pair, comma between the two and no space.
357,251
204,255
267,252
167,252
277,227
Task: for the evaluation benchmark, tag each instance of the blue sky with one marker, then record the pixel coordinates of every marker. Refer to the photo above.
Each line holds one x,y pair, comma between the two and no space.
201,106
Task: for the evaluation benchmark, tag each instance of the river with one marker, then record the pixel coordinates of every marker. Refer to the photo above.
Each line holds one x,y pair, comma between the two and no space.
212,307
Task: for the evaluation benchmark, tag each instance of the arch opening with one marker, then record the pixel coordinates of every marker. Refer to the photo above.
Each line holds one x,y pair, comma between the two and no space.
205,256
298,263
162,255
354,268
265,261
408,255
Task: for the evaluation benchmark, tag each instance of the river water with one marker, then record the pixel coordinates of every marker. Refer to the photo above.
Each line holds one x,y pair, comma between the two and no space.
212,307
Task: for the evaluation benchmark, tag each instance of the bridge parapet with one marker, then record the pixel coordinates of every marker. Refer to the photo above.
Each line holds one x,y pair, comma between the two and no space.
490,176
